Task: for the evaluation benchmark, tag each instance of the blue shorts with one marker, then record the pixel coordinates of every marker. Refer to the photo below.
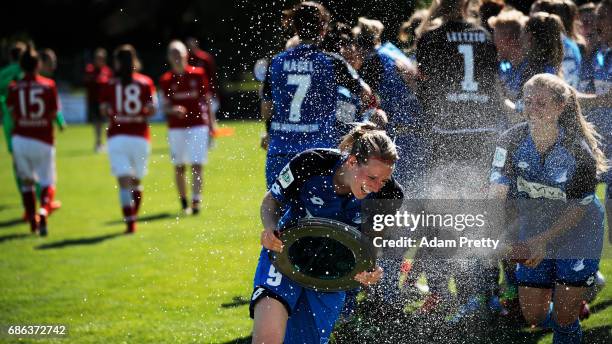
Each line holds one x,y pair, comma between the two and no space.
312,314
274,165
570,272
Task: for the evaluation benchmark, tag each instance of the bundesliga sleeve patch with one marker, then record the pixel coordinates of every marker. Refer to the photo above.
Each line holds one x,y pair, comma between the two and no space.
286,177
500,157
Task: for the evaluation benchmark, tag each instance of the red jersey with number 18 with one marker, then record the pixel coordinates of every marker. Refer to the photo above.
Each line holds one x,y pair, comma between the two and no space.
129,105
34,104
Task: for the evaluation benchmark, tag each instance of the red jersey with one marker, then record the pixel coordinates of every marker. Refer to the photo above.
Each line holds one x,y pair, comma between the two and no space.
203,59
34,104
128,105
188,89
95,79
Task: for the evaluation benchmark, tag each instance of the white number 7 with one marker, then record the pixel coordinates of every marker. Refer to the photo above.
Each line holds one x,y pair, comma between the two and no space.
303,84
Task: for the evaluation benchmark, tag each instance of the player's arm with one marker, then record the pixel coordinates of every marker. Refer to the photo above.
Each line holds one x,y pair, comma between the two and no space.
7,123
60,121
270,212
153,103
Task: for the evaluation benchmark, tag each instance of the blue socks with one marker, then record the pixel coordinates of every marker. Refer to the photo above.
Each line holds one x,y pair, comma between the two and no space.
570,334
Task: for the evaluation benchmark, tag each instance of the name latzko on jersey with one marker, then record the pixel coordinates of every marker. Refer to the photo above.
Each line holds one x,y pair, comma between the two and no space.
477,37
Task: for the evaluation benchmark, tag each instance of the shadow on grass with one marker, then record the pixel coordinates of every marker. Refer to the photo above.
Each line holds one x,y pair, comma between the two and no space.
237,301
9,237
600,306
598,335
243,340
78,242
11,222
145,218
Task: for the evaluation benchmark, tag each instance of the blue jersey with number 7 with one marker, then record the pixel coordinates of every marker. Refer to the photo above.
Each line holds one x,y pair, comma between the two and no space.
308,89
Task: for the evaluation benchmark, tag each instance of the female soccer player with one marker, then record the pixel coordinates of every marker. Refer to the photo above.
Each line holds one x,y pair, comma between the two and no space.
550,164
33,104
322,183
186,101
128,100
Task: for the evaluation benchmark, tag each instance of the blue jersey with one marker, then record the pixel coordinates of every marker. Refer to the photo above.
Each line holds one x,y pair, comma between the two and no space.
305,187
309,89
572,62
545,184
510,76
597,78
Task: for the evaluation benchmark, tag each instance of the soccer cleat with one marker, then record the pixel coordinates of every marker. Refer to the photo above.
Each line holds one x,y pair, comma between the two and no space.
195,207
42,227
131,228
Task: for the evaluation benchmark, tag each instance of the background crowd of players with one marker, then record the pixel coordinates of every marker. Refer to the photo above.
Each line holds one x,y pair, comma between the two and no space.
444,93
120,99
464,73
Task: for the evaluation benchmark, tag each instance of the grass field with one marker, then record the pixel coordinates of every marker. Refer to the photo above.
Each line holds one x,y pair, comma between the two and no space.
179,279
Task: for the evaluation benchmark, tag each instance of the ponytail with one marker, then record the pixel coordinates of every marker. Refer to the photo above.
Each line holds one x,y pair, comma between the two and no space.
578,128
366,141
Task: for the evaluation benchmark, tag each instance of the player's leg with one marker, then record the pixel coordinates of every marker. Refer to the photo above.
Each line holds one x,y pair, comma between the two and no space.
269,321
196,184
535,304
46,172
198,156
566,326
22,155
274,296
181,185
177,140
127,202
118,153
140,158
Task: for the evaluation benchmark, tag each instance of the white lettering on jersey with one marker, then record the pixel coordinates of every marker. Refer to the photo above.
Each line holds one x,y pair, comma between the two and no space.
523,165
286,177
256,293
499,160
579,265
299,66
537,190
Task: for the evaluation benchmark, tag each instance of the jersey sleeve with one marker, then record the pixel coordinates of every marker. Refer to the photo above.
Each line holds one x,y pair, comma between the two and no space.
54,102
502,169
346,76
153,95
371,71
266,90
584,181
287,185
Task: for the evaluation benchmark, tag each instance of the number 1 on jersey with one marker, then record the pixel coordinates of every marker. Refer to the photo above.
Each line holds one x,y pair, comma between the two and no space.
468,84
302,81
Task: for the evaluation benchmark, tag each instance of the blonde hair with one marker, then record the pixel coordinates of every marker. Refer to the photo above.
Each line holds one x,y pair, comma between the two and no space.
367,141
367,32
512,19
571,119
178,46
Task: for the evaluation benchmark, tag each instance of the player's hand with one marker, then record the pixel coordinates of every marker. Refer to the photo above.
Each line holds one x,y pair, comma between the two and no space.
179,111
270,241
62,127
265,141
537,252
369,277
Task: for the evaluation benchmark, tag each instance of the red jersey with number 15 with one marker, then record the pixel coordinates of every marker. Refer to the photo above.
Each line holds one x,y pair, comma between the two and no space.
129,105
34,104
187,89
